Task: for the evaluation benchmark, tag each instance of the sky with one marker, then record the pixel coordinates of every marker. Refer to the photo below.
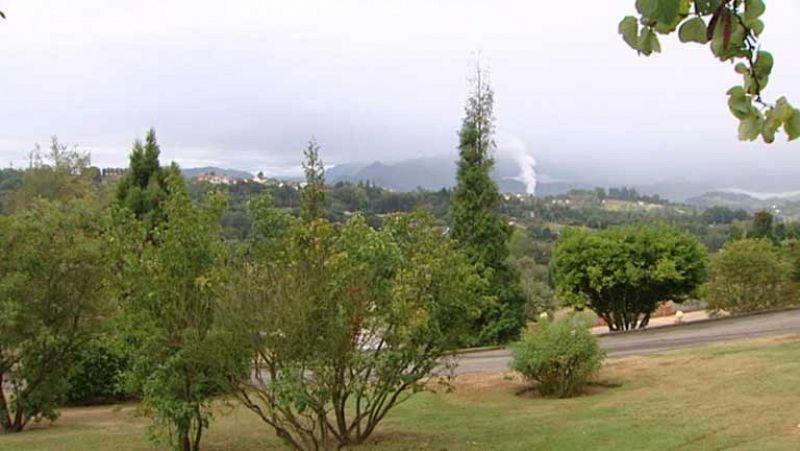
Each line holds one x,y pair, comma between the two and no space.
244,84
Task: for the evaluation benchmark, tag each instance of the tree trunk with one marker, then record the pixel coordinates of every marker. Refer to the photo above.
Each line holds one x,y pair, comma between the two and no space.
5,415
199,433
186,444
19,415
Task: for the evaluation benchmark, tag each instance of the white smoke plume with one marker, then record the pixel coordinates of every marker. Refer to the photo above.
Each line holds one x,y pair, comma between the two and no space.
513,146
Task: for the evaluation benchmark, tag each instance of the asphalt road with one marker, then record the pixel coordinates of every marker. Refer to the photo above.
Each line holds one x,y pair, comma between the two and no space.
660,339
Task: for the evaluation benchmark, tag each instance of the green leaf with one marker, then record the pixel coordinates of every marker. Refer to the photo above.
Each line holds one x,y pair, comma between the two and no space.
753,9
764,63
740,105
647,8
694,30
756,26
2,15
770,126
750,128
775,118
792,125
753,85
783,109
736,91
741,68
670,14
648,42
667,11
735,47
629,29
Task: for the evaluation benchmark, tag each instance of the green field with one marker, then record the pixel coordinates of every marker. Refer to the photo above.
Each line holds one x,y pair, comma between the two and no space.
739,396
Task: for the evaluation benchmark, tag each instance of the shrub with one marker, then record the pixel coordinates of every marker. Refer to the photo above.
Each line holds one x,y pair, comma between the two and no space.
749,275
357,321
561,356
96,375
623,273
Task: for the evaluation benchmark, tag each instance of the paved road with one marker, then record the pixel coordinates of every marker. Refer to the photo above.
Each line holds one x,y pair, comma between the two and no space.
661,339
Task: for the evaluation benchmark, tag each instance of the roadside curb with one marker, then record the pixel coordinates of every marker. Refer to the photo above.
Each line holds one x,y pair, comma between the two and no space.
480,349
699,321
468,351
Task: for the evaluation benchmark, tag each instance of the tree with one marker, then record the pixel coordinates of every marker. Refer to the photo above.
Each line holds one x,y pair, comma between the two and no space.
723,215
762,225
10,182
171,288
143,189
622,273
53,278
313,194
345,322
60,174
732,29
736,232
749,275
534,279
477,225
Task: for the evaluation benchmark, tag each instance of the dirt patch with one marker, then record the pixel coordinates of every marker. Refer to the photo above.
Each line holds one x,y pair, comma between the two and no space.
480,386
475,386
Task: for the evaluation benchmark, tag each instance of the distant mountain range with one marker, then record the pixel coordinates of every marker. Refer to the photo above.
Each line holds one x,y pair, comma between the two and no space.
434,173
785,204
437,172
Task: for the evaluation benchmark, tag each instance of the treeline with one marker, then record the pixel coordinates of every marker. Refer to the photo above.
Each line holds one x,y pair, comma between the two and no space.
132,290
343,200
321,308
317,325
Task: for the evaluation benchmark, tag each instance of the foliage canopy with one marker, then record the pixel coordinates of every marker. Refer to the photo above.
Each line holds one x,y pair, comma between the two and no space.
342,323
622,273
749,275
53,279
477,225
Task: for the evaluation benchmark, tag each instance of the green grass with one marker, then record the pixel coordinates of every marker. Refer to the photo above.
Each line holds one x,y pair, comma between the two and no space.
741,396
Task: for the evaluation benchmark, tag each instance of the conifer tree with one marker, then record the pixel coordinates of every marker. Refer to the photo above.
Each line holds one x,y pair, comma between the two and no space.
477,224
313,194
143,189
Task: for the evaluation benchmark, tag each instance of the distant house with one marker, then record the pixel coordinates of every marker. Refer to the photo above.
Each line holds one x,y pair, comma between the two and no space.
262,179
215,179
113,172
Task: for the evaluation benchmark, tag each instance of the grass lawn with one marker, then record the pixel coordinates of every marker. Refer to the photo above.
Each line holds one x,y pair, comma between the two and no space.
739,396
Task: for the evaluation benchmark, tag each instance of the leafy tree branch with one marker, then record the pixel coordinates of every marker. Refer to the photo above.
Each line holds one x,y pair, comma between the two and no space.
731,29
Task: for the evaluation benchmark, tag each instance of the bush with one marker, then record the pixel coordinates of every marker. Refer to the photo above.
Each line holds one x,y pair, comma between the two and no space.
747,276
561,356
96,375
623,273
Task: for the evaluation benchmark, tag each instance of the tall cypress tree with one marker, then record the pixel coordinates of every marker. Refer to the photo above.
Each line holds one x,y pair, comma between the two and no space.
477,224
313,194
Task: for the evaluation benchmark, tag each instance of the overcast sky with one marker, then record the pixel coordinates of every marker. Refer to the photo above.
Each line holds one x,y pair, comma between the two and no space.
244,84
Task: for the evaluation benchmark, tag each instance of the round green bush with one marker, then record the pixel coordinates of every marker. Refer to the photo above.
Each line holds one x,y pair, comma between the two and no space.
96,375
561,357
748,276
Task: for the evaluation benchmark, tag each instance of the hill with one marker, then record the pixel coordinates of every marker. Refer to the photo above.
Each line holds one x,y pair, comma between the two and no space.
232,173
434,173
786,204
